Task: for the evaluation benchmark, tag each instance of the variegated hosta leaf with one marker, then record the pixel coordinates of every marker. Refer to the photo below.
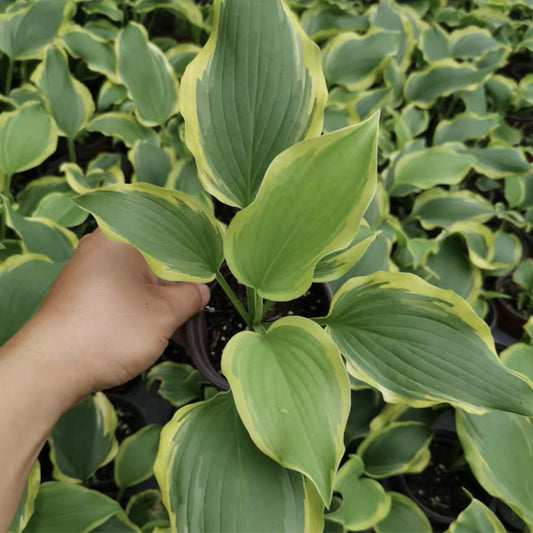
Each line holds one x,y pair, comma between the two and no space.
70,102
34,192
25,31
234,487
41,235
476,518
28,136
336,264
293,396
27,502
146,507
274,244
178,383
185,8
240,112
404,517
498,449
177,235
465,127
519,357
97,53
59,208
498,161
364,501
139,64
64,508
24,282
118,523
100,173
151,163
371,50
181,55
421,345
111,94
450,268
122,126
439,207
440,79
136,455
397,448
426,168
83,439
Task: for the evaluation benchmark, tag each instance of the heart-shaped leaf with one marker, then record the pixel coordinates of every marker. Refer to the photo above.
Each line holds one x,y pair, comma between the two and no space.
292,394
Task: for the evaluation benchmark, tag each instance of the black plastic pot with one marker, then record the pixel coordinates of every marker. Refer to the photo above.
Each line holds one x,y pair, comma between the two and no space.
510,320
197,328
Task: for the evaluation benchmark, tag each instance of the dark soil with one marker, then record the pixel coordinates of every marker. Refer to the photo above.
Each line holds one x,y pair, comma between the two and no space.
224,321
223,212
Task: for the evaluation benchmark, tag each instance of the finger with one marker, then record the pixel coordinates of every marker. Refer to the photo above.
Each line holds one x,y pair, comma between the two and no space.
186,299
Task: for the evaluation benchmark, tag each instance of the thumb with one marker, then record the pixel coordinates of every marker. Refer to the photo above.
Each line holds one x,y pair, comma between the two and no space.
185,299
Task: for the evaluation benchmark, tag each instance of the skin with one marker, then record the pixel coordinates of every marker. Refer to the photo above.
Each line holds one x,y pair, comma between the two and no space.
106,319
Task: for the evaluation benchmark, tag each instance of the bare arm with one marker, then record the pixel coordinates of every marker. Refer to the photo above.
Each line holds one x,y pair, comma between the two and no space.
106,319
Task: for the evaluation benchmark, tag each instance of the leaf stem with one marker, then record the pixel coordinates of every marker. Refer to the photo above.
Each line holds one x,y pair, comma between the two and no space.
255,305
267,305
71,150
9,75
233,298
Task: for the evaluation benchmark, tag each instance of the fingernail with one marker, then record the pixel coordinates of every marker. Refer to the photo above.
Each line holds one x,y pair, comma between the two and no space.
205,293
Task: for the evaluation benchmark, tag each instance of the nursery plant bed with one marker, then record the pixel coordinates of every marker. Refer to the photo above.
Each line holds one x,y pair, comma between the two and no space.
208,332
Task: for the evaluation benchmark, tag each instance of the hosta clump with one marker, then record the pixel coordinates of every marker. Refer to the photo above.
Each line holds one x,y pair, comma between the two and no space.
264,455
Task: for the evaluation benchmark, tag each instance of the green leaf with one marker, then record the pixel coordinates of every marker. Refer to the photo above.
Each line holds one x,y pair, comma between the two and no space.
118,523
372,51
30,197
471,43
324,20
519,357
441,78
146,507
28,136
434,43
151,163
111,94
451,268
104,170
432,166
27,502
139,62
108,8
70,102
498,162
239,111
404,517
364,501
64,508
185,8
336,264
123,127
96,52
181,55
178,383
27,30
503,471
83,439
136,455
299,427
24,282
42,236
177,235
523,275
305,220
465,127
59,208
476,518
440,207
397,448
417,356
263,497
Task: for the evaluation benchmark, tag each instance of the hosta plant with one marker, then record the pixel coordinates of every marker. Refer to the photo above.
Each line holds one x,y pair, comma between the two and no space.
264,456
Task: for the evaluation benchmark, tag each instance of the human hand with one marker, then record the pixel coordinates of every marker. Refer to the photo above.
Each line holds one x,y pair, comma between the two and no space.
110,314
